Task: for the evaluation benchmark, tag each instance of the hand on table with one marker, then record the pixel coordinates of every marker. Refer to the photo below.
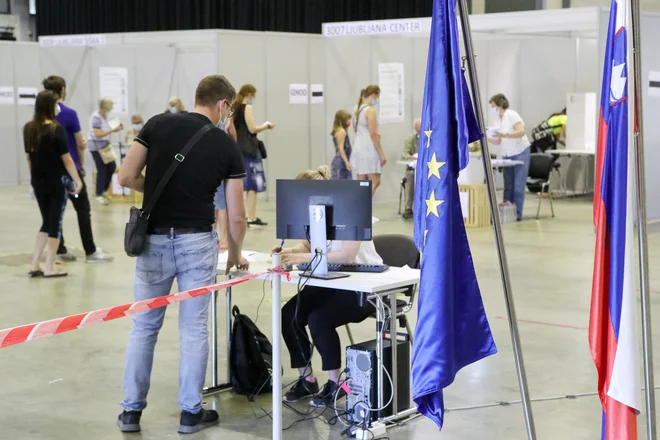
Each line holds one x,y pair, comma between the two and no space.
240,263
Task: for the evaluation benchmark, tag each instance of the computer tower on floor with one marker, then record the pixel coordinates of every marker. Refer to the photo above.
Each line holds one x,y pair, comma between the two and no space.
362,379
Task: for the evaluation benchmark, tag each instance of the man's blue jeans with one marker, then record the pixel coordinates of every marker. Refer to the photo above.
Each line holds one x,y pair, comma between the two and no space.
515,181
192,259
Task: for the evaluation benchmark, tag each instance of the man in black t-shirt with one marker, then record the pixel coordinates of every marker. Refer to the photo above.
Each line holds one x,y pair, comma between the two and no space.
181,243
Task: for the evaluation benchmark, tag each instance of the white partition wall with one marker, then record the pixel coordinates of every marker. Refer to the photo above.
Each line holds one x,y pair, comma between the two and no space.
9,136
19,69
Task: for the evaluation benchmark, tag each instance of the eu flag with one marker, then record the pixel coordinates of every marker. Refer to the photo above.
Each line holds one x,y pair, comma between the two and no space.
452,328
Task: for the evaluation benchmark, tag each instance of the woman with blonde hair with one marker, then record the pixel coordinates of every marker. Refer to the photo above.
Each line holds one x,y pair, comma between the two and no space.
368,156
242,123
341,166
99,139
323,310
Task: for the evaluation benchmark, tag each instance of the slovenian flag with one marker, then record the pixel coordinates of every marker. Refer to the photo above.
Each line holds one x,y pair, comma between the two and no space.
612,328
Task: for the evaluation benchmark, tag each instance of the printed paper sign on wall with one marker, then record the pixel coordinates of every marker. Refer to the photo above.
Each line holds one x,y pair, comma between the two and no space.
6,96
317,93
654,84
391,82
113,85
298,94
27,95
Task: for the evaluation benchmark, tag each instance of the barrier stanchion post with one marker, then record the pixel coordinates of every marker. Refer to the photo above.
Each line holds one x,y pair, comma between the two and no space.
277,348
214,339
228,328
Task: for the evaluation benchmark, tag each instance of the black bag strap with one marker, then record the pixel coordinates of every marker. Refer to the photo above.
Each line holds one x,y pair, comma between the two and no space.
178,159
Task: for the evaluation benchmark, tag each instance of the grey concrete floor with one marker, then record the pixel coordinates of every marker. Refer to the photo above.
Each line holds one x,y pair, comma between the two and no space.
69,386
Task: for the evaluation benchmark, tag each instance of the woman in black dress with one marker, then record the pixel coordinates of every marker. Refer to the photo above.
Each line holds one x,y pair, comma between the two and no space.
246,135
52,174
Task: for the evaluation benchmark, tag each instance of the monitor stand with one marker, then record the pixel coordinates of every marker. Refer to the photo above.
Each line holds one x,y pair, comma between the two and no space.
319,245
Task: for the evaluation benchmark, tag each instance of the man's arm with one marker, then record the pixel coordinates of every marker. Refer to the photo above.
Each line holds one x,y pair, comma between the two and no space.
82,144
130,173
235,220
408,148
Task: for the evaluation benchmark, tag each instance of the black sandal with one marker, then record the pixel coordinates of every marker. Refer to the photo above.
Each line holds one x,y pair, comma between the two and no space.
35,273
55,275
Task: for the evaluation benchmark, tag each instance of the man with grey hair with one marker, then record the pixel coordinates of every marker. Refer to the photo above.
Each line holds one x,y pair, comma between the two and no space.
410,149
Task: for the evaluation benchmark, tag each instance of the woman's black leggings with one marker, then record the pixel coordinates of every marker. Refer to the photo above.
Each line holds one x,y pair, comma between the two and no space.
52,202
323,310
104,172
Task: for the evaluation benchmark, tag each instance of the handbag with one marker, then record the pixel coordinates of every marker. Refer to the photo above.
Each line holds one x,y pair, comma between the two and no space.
135,235
107,154
262,149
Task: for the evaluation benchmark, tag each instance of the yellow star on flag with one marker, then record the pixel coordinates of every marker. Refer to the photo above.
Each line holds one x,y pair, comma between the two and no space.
434,167
432,205
428,138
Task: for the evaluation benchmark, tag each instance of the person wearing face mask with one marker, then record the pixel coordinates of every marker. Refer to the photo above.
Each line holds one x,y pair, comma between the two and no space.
246,134
99,138
341,165
175,105
368,156
509,132
181,242
410,149
136,126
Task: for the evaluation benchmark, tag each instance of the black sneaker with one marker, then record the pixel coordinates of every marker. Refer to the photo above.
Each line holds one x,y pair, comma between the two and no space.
326,398
300,390
191,423
257,222
129,421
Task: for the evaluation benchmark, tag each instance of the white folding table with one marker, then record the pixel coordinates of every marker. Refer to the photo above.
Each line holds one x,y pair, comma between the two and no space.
376,286
583,155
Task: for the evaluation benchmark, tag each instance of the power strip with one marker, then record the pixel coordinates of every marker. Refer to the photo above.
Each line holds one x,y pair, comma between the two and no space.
376,430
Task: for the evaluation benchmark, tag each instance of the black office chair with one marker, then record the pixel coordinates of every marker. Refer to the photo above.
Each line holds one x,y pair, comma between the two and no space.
404,181
397,251
538,180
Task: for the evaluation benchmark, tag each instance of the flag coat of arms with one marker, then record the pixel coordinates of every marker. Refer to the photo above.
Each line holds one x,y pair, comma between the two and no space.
613,328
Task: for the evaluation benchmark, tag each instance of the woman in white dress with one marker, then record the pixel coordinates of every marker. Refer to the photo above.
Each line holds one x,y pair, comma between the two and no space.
368,156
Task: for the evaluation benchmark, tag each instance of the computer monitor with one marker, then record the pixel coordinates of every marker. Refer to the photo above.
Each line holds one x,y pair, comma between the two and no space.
321,210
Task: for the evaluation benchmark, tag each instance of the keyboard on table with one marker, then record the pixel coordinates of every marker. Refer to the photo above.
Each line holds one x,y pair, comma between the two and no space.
374,268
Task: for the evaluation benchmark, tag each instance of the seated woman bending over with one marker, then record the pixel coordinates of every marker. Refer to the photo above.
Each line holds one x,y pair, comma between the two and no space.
322,310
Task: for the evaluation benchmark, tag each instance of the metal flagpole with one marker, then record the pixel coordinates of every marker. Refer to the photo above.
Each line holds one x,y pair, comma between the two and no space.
499,239
641,223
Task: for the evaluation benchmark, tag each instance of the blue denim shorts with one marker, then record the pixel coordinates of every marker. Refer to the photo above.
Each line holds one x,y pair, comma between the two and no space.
219,199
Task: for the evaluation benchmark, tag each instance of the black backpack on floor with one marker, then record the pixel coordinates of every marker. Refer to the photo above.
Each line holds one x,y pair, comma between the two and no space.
250,357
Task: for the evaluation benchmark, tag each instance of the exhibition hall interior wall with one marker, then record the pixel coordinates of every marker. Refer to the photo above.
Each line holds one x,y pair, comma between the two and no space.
535,70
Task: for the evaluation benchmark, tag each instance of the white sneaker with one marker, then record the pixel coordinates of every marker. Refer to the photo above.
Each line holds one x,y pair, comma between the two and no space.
99,257
102,201
374,220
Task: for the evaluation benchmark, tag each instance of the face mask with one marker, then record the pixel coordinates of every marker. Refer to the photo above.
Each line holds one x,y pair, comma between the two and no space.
374,102
57,109
495,111
250,101
348,124
174,110
137,127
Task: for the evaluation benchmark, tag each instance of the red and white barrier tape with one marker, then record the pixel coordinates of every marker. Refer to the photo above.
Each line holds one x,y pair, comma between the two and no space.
30,332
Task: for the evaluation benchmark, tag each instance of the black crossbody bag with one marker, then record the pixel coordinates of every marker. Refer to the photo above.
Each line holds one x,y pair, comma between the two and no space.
135,236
